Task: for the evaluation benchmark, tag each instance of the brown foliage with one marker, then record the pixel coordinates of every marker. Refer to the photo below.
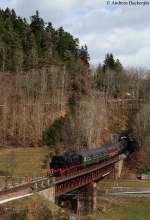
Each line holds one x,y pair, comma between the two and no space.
28,103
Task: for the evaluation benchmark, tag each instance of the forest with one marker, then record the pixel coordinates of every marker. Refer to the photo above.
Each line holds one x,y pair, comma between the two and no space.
35,44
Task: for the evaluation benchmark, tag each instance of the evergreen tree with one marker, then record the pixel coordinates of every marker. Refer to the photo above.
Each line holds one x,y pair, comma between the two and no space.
100,78
50,28
109,76
84,55
109,62
37,23
33,45
118,66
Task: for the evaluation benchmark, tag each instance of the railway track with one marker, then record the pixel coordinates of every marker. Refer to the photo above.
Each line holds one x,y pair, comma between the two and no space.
43,183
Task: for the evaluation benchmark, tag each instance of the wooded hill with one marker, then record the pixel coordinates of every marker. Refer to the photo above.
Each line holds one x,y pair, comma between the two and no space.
43,72
49,94
36,44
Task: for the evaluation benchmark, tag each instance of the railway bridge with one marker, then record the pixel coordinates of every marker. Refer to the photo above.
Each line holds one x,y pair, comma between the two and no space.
55,188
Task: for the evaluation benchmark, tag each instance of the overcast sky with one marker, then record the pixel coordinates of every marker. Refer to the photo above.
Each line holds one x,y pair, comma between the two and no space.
122,30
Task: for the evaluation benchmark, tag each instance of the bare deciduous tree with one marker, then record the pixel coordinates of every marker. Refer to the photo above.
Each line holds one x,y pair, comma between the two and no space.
29,103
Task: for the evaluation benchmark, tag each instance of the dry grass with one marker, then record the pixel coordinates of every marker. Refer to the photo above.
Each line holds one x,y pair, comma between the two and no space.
35,207
108,184
123,208
24,161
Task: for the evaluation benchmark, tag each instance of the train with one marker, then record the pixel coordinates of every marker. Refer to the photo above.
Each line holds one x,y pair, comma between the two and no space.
69,162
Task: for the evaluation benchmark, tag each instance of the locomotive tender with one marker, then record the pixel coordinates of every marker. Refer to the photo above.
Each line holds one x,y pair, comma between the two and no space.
70,162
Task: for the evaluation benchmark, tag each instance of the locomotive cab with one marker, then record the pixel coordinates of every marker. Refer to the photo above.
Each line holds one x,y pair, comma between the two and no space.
65,164
56,165
57,162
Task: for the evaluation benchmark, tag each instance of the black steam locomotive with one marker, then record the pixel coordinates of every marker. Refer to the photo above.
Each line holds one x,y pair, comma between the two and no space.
69,162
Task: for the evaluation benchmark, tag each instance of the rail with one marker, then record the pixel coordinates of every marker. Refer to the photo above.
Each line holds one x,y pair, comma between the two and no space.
41,183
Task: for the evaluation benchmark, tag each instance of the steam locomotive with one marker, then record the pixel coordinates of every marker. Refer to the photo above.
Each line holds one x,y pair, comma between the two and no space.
69,162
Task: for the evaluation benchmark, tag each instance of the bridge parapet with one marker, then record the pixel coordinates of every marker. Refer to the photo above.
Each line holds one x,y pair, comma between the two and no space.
55,187
85,176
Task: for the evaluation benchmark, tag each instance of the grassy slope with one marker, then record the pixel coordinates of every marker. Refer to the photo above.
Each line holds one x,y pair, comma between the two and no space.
109,183
123,208
35,207
23,161
129,209
30,161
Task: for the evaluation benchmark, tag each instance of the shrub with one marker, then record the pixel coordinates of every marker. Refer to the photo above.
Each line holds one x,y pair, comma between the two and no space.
54,133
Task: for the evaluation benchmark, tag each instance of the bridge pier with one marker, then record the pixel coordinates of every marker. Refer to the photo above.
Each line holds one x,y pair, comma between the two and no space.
82,202
118,166
87,199
49,192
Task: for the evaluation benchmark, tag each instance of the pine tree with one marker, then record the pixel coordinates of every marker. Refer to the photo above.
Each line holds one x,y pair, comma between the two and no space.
109,62
118,66
34,45
84,55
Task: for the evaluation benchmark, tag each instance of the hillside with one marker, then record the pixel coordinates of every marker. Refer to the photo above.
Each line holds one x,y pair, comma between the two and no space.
34,45
52,100
51,96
